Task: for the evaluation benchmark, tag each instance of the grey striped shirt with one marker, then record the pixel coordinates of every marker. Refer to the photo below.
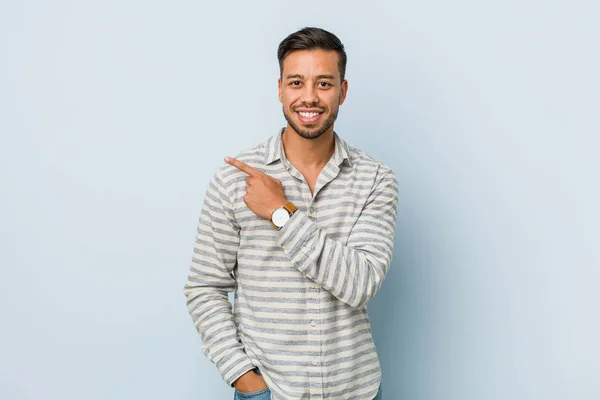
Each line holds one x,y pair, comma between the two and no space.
300,312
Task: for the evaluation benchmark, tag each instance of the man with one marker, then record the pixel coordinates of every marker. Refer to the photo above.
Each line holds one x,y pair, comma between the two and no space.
301,228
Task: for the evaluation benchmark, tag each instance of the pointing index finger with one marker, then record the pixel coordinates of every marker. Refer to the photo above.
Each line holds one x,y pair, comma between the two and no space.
242,166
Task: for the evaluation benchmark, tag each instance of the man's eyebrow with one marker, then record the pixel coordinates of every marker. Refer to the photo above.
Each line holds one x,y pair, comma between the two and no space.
298,76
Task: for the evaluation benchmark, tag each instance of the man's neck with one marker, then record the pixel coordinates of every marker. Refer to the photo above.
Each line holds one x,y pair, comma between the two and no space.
308,153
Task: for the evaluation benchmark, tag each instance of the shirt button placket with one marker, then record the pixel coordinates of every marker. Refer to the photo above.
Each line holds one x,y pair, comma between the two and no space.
312,214
316,378
316,384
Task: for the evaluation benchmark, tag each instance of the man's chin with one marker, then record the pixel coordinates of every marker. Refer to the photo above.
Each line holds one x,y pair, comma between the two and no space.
310,134
307,131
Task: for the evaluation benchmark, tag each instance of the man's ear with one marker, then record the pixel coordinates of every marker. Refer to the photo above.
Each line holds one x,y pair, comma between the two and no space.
279,90
343,91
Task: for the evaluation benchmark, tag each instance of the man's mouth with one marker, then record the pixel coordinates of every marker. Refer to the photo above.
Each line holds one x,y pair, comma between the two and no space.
309,116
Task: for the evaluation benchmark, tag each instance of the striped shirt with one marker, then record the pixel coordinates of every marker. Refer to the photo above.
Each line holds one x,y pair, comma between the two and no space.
299,312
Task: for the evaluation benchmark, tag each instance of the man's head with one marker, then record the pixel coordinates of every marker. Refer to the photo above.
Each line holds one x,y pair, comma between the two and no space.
312,86
312,39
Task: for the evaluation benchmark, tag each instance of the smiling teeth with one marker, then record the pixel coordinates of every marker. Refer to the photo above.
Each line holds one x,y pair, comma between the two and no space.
308,114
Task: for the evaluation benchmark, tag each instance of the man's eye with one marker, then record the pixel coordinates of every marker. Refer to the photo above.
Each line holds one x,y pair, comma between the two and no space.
324,84
295,83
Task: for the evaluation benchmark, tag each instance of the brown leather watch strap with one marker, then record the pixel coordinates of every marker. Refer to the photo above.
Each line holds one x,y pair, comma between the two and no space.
290,207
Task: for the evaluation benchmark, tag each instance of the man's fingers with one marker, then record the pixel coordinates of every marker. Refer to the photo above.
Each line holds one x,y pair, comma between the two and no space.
242,167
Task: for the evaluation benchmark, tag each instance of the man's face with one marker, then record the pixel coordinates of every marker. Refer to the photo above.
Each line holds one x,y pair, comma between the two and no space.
311,91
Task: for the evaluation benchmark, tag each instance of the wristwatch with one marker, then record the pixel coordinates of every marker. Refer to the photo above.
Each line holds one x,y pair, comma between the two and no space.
280,216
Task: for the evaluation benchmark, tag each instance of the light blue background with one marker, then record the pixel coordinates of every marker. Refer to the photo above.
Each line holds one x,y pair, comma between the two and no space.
115,114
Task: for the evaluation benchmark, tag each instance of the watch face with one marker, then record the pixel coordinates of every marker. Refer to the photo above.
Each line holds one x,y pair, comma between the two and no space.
280,217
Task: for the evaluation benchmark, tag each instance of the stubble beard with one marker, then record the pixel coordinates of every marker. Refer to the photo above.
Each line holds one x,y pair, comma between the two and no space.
311,133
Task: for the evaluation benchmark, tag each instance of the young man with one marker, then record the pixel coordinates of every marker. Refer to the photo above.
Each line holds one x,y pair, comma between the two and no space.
301,228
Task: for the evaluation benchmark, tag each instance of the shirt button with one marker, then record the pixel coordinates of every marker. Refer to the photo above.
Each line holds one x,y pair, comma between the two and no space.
314,363
313,324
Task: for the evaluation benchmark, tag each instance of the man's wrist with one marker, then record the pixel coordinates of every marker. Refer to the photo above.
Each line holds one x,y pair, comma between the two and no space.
243,372
249,382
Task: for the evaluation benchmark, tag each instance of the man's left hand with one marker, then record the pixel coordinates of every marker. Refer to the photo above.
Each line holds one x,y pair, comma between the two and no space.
263,192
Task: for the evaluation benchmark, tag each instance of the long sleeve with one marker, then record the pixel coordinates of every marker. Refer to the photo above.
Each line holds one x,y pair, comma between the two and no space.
352,272
210,279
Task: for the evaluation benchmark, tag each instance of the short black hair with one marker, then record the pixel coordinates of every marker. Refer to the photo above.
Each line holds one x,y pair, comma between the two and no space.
311,38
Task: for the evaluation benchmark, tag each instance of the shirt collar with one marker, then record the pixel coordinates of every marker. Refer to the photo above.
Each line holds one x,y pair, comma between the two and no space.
274,150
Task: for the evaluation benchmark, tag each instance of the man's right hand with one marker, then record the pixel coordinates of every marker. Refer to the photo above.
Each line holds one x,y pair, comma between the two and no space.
250,382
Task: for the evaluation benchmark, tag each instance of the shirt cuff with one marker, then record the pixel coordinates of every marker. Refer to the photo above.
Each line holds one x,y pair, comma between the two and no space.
234,367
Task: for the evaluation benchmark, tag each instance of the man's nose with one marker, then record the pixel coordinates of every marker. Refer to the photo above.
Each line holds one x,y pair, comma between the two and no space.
310,95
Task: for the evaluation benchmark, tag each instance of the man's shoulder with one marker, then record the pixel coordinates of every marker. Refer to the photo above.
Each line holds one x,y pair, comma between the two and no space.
364,162
383,177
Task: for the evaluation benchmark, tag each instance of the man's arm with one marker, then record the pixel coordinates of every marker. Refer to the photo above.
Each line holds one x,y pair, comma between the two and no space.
209,281
353,273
